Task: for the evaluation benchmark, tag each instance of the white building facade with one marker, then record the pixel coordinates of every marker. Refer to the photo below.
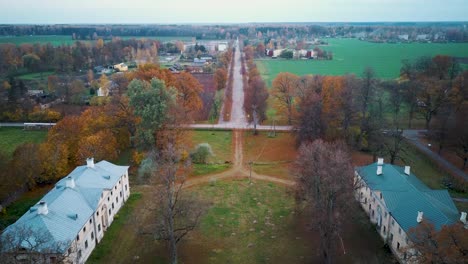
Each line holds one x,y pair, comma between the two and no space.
73,216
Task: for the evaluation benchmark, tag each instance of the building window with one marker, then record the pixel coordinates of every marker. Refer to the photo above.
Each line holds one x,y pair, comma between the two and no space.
120,193
406,240
116,199
125,186
398,245
84,229
92,235
119,182
112,205
399,230
108,199
99,228
373,199
79,254
69,251
372,213
109,211
385,215
86,244
393,222
365,200
78,237
53,259
384,230
112,193
380,195
391,237
115,188
97,214
91,221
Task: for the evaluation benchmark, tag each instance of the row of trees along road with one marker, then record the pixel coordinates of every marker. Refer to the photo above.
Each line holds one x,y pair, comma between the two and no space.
369,115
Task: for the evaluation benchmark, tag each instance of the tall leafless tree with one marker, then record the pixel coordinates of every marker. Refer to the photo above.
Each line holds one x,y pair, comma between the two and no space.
176,213
325,184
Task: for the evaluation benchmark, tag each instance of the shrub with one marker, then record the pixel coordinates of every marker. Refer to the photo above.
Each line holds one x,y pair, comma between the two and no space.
201,154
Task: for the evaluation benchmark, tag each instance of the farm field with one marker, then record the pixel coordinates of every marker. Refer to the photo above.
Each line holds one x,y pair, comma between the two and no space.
12,137
353,56
243,224
58,40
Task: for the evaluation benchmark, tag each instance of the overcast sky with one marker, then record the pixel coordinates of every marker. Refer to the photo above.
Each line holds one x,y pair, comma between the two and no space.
224,11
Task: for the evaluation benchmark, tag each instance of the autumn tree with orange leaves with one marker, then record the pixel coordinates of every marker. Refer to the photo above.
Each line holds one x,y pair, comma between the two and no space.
284,88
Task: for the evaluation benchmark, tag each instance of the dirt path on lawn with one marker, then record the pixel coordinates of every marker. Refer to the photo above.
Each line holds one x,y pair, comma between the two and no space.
239,169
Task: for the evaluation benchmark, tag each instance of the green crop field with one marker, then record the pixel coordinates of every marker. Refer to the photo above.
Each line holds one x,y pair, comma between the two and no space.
353,56
58,40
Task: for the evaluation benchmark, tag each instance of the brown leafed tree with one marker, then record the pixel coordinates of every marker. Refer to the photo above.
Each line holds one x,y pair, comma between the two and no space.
324,177
220,78
188,94
284,89
427,245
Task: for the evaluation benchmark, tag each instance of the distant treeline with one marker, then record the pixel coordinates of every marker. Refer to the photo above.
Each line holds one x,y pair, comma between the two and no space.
453,31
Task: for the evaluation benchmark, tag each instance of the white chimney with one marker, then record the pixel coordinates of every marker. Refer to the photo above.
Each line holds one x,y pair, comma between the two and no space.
90,162
379,170
69,182
380,161
407,170
463,217
420,217
42,208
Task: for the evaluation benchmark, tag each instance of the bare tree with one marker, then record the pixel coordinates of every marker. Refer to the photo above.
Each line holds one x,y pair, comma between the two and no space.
365,98
23,244
176,214
325,184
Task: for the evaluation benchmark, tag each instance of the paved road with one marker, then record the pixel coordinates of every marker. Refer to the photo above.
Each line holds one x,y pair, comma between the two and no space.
413,138
11,124
229,126
237,111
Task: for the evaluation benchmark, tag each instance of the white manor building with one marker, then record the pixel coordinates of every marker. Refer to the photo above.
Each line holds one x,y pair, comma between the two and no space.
68,222
396,201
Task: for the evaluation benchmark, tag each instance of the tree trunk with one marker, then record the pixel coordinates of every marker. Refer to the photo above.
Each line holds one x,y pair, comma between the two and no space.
410,119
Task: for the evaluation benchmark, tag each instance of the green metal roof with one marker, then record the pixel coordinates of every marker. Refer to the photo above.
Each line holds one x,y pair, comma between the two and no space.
405,195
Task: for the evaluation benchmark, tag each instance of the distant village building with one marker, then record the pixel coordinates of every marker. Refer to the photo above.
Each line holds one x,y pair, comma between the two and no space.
35,92
68,222
121,67
102,92
404,37
396,201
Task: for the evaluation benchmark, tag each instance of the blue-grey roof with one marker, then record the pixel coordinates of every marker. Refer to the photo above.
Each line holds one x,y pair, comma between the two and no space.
405,195
60,224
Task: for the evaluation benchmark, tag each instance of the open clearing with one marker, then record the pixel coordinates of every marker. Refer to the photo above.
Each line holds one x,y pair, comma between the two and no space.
244,224
12,137
221,143
353,56
270,155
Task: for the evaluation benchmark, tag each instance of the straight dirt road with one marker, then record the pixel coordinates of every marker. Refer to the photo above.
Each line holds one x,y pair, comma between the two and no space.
237,112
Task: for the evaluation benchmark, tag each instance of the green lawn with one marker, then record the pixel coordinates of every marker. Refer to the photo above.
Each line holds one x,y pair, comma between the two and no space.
11,137
35,76
58,40
220,142
244,223
352,56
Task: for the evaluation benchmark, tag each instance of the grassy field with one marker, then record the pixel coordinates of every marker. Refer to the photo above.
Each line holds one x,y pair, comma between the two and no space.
220,142
11,137
114,231
271,155
58,40
352,56
244,224
35,76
